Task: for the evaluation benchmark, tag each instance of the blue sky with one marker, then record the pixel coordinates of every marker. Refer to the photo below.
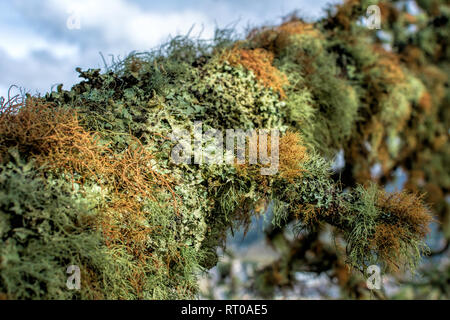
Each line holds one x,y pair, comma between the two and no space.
38,49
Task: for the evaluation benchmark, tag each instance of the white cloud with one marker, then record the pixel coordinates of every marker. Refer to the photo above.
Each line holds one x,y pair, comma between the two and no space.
20,43
126,25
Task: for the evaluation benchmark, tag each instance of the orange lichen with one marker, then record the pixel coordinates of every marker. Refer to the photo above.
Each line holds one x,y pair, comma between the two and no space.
389,65
388,12
342,273
412,56
92,286
408,211
405,219
292,155
436,80
275,39
409,18
51,136
259,61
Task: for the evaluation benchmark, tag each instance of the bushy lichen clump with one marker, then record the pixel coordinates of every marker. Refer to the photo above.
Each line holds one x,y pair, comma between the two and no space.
87,178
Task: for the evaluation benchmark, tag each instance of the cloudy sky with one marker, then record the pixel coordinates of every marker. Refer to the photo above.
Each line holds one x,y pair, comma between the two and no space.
43,41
